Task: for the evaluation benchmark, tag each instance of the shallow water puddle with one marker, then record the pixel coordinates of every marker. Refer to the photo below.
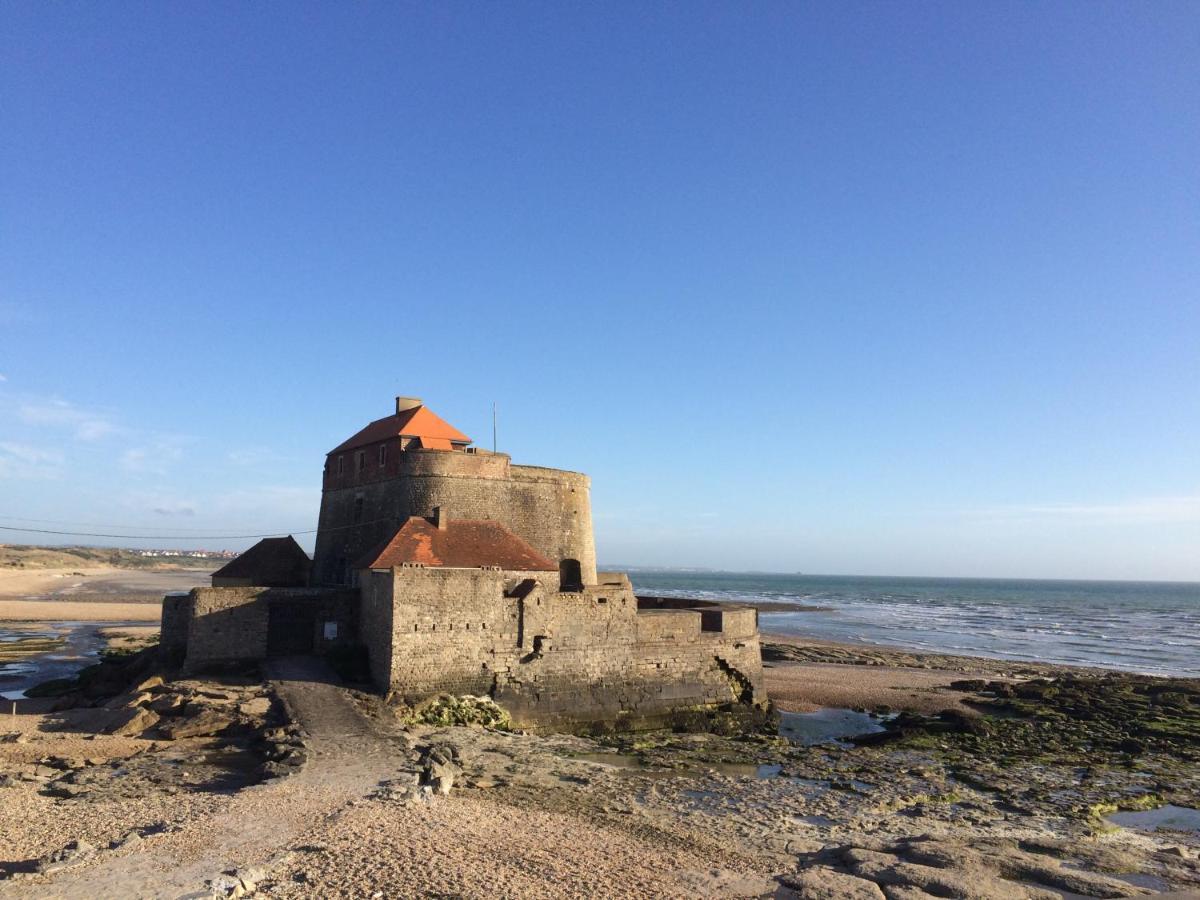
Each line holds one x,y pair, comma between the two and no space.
31,653
828,726
1168,818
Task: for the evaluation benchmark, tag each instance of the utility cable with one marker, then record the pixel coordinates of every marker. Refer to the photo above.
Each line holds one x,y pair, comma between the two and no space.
188,537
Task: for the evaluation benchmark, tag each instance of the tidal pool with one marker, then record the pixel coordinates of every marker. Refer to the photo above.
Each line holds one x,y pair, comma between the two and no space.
1167,818
828,726
55,650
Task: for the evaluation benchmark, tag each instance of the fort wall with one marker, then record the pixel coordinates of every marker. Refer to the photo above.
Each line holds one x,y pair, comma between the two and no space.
550,657
173,632
234,624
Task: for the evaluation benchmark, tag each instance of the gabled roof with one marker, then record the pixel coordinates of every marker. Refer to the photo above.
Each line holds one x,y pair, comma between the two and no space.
272,562
417,422
462,544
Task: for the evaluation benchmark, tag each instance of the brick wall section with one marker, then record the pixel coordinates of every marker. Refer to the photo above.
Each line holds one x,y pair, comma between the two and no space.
549,508
549,657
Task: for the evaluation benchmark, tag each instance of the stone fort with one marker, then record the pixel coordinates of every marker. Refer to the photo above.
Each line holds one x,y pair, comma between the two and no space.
456,571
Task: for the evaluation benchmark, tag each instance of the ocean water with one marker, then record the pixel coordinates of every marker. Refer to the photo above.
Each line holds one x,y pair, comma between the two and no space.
1151,627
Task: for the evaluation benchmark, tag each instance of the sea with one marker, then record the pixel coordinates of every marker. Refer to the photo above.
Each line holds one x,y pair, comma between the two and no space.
1149,627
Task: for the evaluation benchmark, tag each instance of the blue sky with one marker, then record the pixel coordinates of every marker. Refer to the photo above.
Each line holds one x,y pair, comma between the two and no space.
843,288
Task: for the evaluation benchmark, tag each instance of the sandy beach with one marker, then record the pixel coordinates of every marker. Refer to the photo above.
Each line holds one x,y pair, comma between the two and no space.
90,594
78,611
97,581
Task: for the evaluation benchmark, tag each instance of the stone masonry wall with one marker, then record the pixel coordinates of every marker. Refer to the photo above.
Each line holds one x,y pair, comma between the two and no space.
230,624
226,624
173,630
555,658
549,508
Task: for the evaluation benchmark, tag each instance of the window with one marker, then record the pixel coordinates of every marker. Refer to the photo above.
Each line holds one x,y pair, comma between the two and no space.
358,508
341,465
382,455
360,461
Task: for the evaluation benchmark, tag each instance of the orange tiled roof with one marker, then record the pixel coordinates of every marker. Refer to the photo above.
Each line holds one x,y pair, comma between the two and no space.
417,422
462,544
434,443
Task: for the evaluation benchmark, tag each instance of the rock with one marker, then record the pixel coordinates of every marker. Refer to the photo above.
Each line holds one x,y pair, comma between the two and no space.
129,698
274,769
903,892
255,708
205,723
63,763
442,783
168,704
976,884
824,883
130,839
860,855
67,701
225,886
131,722
149,684
72,854
440,769
213,694
63,790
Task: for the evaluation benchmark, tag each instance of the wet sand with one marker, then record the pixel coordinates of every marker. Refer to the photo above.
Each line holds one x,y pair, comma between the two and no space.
99,594
98,582
78,611
805,687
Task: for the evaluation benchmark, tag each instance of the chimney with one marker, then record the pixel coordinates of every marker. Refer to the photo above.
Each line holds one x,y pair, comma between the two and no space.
404,404
441,517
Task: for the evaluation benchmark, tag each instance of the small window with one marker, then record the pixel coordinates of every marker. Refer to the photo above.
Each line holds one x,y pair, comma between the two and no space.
360,461
382,455
341,465
358,508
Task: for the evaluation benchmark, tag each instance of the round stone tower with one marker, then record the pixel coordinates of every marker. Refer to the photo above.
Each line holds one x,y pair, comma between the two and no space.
412,462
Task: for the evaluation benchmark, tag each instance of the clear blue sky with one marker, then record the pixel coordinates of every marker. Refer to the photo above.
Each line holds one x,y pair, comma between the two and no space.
902,288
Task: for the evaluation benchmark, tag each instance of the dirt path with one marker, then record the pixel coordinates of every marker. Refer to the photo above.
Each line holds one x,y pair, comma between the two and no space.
347,758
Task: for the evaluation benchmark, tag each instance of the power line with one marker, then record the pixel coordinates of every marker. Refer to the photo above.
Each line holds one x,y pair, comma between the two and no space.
185,537
83,524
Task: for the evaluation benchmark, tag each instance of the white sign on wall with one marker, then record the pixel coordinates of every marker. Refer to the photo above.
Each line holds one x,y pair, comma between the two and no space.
330,631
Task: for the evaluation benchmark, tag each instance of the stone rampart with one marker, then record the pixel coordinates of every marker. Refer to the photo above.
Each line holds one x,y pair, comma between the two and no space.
550,657
232,624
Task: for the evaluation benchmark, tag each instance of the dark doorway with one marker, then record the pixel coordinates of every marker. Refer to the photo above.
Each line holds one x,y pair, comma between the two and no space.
291,626
570,575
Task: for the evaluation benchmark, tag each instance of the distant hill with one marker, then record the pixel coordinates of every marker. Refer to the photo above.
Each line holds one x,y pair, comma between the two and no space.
22,556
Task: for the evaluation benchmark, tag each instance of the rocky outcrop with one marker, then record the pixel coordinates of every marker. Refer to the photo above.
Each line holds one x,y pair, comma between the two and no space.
913,868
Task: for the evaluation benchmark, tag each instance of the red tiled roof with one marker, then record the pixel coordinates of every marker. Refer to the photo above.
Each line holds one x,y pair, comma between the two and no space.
417,422
462,544
434,443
